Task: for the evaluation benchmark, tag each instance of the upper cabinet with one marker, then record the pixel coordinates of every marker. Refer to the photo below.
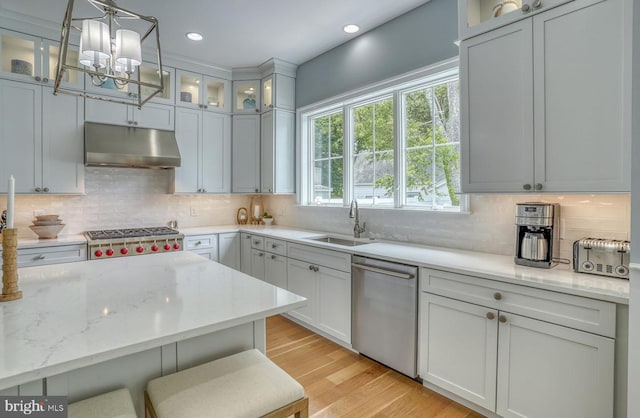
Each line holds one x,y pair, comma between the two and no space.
545,106
34,60
246,96
203,92
151,115
278,91
479,16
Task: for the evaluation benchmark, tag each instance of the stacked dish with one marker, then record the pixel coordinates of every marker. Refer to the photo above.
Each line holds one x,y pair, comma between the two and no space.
47,226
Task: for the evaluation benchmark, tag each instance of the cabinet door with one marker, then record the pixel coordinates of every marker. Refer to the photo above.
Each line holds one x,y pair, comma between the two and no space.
217,94
302,281
188,133
457,349
258,264
284,92
216,153
581,95
155,116
62,143
245,253
246,154
246,96
267,138
208,253
496,83
101,111
334,303
20,56
276,270
550,371
229,249
20,135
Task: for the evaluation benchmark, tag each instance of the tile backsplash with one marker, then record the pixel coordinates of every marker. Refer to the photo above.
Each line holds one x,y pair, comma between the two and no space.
489,227
120,198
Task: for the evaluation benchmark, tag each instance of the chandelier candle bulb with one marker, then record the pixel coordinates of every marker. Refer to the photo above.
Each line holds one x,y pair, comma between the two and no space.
10,201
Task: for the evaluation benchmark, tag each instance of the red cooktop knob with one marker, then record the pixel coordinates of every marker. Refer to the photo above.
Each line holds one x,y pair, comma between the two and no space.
124,251
154,248
167,247
140,249
98,253
109,252
176,246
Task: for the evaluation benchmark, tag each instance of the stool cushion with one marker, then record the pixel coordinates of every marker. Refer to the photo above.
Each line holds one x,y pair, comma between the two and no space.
246,384
116,404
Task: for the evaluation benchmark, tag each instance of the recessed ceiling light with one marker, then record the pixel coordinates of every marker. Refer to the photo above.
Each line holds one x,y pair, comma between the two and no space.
351,28
194,36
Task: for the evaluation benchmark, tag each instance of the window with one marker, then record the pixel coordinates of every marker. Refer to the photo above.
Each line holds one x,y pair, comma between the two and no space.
393,146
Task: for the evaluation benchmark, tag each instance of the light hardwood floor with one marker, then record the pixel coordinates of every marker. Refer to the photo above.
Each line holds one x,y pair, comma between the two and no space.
340,383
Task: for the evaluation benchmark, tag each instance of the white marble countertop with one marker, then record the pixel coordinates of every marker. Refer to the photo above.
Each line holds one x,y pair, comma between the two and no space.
31,240
560,278
77,314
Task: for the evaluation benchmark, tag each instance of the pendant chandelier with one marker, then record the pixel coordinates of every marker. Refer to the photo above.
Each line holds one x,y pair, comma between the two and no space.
111,52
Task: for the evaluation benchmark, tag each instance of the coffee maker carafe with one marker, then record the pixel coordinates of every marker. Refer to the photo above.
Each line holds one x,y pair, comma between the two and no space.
537,234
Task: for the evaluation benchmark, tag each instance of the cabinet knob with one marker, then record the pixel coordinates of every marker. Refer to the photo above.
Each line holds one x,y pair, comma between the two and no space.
38,190
274,246
490,316
38,78
497,296
206,106
536,4
204,190
45,80
256,242
538,186
502,319
311,267
526,187
247,237
273,257
260,254
198,243
526,8
257,110
40,257
135,123
270,106
46,190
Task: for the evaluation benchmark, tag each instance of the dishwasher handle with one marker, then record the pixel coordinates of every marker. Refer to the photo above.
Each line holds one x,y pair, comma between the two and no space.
397,274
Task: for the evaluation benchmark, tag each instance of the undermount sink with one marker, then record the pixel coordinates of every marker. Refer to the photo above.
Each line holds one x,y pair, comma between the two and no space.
339,241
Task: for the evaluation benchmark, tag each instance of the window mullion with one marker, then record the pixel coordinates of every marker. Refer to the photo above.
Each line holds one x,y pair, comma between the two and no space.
347,130
398,145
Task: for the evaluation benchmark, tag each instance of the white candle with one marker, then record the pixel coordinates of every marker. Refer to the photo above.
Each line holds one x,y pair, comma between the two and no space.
256,212
10,199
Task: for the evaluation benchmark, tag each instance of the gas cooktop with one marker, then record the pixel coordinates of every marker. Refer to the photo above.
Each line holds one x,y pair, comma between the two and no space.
127,242
130,232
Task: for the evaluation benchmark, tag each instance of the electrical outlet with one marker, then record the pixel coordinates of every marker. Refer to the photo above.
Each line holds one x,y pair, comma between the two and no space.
194,211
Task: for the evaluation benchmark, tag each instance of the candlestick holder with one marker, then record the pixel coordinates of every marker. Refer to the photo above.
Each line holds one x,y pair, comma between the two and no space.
10,289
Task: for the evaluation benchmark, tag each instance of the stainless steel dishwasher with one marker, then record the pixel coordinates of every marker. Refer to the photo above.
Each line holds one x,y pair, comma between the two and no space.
384,312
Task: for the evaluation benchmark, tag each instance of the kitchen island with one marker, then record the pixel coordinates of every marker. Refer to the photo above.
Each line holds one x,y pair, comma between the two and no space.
88,327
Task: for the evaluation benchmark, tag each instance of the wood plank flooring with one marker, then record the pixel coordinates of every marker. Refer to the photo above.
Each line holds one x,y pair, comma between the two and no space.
340,383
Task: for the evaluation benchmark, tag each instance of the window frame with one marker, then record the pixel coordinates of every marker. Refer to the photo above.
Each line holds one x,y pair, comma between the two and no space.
393,88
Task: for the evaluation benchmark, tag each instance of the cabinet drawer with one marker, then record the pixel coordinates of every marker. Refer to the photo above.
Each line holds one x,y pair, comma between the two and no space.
577,312
275,246
198,242
332,259
257,242
28,257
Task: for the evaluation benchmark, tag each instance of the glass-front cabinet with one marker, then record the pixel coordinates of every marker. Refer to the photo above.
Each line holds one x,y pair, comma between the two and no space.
148,73
204,92
246,96
267,93
33,59
479,16
278,91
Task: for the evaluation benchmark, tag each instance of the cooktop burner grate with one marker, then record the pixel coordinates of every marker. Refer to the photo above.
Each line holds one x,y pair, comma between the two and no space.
130,232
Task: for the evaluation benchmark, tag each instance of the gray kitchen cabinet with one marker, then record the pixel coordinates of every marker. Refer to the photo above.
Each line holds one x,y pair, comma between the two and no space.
42,139
505,346
275,270
258,264
543,104
278,152
204,245
54,254
245,253
278,92
246,154
246,96
204,140
198,91
151,115
229,249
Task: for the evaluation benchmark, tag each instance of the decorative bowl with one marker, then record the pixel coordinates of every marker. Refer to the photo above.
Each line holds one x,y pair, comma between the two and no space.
51,217
47,231
21,67
47,223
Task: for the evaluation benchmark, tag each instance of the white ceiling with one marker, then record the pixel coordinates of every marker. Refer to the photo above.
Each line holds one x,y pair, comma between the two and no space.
241,33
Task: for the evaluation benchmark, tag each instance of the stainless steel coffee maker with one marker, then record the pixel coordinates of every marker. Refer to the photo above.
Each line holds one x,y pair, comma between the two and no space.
537,234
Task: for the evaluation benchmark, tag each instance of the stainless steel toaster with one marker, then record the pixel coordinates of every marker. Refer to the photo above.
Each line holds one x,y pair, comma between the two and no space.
602,256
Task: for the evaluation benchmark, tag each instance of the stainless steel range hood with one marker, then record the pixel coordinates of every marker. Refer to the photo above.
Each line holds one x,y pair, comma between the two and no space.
124,146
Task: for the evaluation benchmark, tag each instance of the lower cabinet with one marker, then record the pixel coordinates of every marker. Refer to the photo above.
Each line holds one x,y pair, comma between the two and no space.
204,245
257,264
275,270
498,357
324,278
245,253
57,254
229,249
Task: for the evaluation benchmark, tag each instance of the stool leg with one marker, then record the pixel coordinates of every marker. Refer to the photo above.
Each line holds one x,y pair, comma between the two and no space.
149,412
304,412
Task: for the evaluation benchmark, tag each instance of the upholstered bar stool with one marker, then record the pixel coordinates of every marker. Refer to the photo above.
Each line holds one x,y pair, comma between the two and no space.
116,404
246,384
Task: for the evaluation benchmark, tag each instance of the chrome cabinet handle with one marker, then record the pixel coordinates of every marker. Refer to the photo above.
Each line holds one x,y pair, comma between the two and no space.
198,243
538,186
526,187
258,110
38,190
256,242
497,296
502,319
536,4
260,254
247,237
273,257
313,268
45,80
490,316
38,78
135,123
40,257
46,190
274,246
257,190
526,8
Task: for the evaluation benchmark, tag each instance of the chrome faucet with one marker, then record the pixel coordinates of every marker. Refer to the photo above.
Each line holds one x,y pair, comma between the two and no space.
355,213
